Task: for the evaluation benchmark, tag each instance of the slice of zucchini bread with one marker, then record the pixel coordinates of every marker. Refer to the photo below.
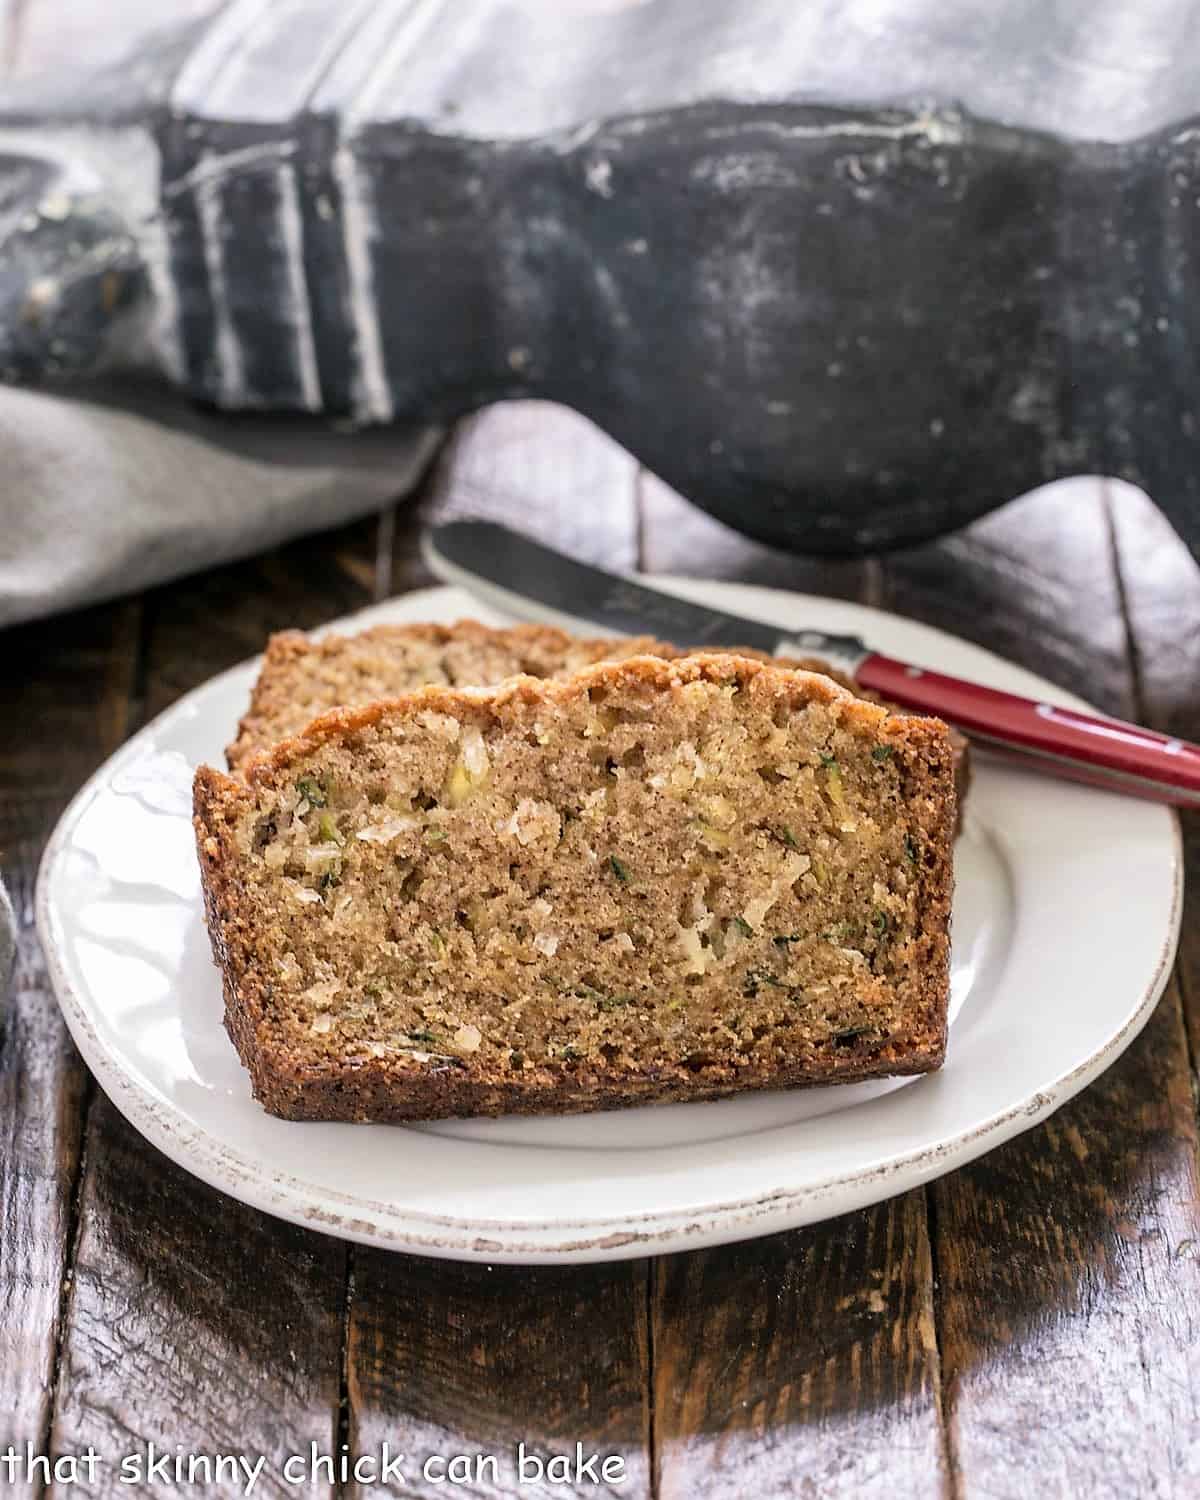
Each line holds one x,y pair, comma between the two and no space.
302,678
652,880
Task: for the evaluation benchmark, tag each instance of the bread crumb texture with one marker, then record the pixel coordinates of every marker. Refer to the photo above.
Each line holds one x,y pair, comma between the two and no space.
302,678
654,879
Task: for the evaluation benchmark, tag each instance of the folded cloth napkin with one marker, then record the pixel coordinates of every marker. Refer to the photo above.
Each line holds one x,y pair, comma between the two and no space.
134,485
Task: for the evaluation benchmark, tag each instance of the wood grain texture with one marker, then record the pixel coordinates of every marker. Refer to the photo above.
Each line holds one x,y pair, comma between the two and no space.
455,1358
65,696
472,1360
540,468
42,35
1067,1283
194,1321
805,1364
1161,589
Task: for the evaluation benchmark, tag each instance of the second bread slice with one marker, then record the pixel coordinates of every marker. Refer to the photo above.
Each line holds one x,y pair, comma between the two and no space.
302,676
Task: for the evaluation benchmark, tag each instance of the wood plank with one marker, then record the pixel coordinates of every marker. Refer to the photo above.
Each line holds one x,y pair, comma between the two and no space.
45,35
196,1323
466,1359
13,22
802,1364
1064,1258
451,1358
65,690
805,1363
536,466
1068,1287
1161,586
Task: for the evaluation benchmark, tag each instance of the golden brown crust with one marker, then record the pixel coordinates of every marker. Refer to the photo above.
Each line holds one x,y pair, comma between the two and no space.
656,671
365,1090
391,1089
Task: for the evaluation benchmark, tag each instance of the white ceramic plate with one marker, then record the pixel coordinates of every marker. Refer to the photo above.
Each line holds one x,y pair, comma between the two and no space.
1066,916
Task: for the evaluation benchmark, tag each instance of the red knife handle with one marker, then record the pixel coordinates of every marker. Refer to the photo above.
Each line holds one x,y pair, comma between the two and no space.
1079,746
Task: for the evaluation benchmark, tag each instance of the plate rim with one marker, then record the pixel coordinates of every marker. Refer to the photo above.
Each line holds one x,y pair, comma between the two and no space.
630,1234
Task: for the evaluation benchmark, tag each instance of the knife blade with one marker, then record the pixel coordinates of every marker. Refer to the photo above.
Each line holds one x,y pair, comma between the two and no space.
532,581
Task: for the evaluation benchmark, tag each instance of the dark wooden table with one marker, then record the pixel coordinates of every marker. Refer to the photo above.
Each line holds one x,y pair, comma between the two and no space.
1026,1326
